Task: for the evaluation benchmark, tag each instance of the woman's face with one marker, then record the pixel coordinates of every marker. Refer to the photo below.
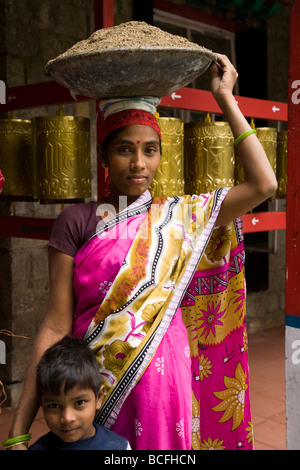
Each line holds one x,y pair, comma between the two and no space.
133,156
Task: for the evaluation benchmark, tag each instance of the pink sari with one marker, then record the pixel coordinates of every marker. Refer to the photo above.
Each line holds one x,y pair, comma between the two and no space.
158,357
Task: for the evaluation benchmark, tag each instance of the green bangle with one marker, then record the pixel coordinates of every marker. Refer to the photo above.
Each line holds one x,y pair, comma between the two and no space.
16,440
243,136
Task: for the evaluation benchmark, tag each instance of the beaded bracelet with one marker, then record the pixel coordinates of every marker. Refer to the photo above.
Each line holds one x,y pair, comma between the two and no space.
243,136
16,440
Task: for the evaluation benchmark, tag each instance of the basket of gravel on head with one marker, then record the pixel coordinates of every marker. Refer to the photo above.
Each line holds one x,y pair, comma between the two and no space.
131,59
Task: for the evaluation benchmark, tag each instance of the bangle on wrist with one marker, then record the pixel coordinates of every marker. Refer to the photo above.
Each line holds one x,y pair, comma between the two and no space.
243,136
16,440
17,444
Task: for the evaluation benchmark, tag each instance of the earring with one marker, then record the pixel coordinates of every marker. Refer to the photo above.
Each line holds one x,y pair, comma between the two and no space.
107,185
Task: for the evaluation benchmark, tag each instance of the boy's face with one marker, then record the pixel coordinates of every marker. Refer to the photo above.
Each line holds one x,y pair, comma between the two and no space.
70,415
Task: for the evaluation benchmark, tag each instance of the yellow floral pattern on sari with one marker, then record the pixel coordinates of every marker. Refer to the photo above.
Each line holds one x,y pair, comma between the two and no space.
116,355
214,310
219,244
205,366
149,314
210,444
233,398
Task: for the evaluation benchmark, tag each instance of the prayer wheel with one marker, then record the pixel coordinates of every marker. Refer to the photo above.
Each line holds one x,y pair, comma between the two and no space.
268,139
169,177
16,159
62,158
281,166
209,156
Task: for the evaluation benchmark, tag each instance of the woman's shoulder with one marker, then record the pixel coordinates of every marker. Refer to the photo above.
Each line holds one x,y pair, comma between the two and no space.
75,210
74,225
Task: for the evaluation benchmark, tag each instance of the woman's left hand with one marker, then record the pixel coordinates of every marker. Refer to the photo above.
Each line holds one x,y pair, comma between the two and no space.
223,78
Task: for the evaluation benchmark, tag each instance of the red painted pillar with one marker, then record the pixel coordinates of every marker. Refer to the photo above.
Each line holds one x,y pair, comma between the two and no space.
104,18
292,331
104,13
293,169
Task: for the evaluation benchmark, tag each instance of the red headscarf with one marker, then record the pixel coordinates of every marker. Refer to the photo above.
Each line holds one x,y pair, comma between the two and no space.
129,117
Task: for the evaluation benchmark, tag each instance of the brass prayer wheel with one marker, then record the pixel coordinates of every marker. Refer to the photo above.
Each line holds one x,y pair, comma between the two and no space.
16,159
268,139
169,177
209,156
62,158
281,167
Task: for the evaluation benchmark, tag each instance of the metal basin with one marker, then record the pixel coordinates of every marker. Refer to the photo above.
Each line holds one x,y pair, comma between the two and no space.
124,72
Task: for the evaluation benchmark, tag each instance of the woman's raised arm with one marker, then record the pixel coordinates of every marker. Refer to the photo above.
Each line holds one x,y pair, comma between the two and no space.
260,180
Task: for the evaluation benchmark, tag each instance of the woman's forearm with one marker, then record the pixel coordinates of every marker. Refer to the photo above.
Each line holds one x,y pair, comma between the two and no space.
233,114
257,168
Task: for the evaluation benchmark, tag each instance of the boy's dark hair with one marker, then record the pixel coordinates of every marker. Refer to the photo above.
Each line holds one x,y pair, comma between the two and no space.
69,363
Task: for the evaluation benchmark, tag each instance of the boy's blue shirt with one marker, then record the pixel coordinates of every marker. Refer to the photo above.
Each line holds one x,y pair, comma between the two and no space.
104,439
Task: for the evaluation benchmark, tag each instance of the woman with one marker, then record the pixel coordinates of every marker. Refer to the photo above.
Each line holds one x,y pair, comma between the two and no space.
128,289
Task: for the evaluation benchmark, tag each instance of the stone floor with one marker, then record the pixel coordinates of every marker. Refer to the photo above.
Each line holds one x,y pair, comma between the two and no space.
267,391
267,388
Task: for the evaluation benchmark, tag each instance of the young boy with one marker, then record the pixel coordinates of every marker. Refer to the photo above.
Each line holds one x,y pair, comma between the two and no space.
70,391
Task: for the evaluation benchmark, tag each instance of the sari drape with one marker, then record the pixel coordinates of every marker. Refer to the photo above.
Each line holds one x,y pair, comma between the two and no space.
158,269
